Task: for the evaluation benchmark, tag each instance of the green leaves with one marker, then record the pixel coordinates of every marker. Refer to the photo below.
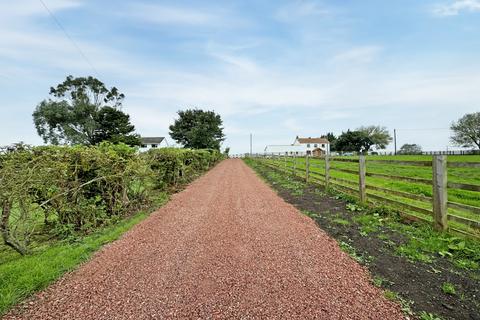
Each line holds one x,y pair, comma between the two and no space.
362,139
459,246
467,130
198,129
84,112
71,191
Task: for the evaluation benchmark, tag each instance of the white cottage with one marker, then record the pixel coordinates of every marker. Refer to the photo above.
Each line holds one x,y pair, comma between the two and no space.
313,146
301,146
147,143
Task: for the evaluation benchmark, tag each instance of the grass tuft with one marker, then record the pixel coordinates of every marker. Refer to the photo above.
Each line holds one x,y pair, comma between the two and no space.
449,288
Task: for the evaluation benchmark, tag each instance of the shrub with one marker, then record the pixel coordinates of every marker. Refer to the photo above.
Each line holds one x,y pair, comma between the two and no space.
63,190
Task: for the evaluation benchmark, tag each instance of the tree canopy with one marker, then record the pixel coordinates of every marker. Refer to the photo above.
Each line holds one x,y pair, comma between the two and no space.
410,149
362,139
198,129
466,131
353,141
379,137
83,111
332,139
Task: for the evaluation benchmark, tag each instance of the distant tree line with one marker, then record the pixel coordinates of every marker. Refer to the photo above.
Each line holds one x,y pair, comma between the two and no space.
466,133
84,111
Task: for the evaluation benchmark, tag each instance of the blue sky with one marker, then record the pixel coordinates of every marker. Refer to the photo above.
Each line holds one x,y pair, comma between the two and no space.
276,69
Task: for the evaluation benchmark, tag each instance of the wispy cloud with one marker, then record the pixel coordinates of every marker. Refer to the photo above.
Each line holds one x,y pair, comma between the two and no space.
357,55
456,7
234,56
172,15
13,10
301,9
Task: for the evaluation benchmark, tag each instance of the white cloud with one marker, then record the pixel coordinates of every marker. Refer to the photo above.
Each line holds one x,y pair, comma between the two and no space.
182,16
237,62
12,10
300,9
332,96
456,7
38,51
293,125
162,14
357,55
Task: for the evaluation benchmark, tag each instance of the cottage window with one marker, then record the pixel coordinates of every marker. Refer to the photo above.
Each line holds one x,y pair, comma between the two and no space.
315,145
154,145
308,145
144,145
323,145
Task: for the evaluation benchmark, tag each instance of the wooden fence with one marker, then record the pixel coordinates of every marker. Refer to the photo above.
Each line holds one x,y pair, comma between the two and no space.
439,205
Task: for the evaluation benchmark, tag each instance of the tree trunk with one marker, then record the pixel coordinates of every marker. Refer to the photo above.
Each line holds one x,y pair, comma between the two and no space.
5,229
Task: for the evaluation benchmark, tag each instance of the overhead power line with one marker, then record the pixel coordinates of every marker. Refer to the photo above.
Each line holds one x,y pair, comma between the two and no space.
423,129
77,47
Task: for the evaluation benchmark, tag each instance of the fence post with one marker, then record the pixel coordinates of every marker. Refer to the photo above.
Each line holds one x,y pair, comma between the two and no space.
440,196
327,171
294,164
362,170
307,168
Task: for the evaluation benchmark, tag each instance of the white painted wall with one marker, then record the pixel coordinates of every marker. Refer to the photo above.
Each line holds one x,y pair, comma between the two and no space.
163,144
312,146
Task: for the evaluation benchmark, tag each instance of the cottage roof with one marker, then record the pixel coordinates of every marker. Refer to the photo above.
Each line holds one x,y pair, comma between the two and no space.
151,140
312,140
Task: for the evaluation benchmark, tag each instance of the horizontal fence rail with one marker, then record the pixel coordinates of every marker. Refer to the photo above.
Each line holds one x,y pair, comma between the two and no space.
350,177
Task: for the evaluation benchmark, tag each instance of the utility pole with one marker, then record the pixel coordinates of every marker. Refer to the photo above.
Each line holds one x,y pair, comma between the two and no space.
250,144
395,140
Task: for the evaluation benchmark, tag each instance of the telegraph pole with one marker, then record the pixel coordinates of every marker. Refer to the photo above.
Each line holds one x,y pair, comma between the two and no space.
250,144
395,140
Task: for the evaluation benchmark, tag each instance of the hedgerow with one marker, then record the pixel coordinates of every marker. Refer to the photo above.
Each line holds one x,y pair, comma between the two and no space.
60,191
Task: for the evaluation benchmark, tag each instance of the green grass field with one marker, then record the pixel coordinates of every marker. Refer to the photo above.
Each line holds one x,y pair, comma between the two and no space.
459,175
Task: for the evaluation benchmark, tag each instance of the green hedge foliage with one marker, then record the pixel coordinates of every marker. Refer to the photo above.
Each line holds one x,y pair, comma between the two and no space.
63,191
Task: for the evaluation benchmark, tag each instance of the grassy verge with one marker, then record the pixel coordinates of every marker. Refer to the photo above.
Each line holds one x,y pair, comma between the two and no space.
21,276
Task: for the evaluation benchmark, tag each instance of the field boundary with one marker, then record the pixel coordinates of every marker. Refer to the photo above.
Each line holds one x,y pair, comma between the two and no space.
432,209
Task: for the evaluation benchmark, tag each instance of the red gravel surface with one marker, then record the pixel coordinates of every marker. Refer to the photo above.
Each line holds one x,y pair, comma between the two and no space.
225,247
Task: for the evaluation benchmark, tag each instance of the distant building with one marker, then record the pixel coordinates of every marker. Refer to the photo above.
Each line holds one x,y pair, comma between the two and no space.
315,147
147,143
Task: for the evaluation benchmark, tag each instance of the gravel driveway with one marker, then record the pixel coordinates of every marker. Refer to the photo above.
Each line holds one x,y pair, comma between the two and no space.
227,247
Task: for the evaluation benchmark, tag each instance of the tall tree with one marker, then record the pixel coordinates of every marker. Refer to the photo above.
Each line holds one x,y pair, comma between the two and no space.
83,111
410,149
332,139
226,152
466,131
379,136
353,141
198,129
114,126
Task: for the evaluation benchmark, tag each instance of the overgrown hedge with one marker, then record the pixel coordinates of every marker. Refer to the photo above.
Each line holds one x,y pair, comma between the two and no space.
62,191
